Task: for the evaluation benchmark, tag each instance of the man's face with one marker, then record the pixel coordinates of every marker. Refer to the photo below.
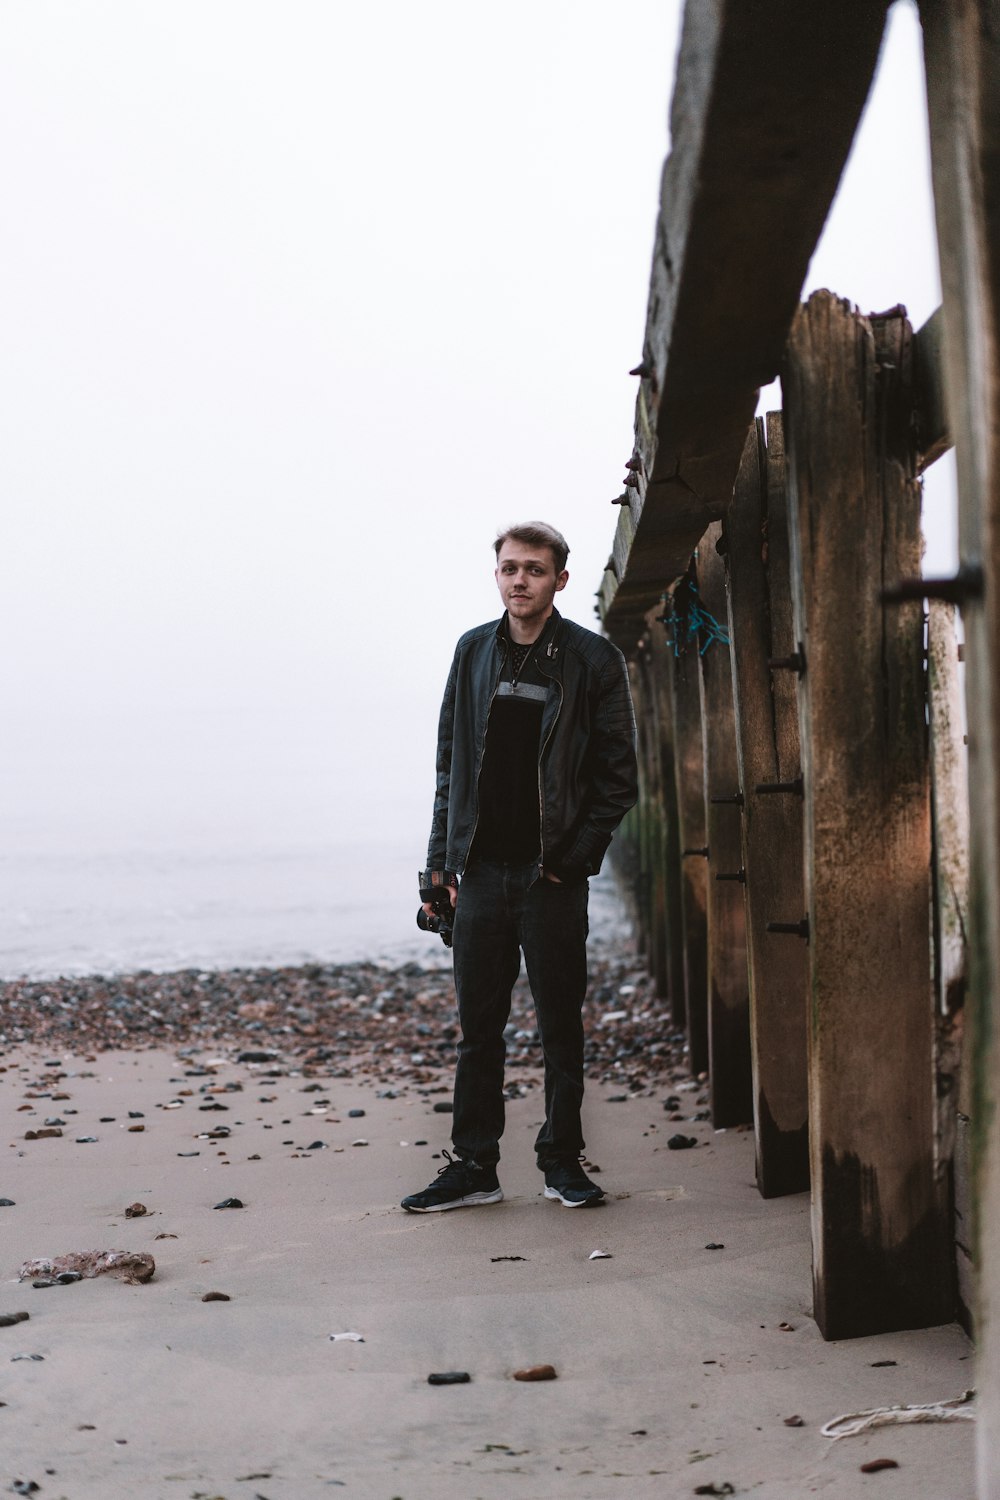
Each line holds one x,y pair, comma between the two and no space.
528,582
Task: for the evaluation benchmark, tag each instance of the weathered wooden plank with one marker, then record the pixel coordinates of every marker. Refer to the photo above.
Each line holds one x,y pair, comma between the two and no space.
962,63
766,103
689,771
767,743
950,809
730,1087
879,1256
658,661
933,433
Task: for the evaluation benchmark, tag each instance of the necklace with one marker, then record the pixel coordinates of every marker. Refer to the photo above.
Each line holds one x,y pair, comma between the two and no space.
519,660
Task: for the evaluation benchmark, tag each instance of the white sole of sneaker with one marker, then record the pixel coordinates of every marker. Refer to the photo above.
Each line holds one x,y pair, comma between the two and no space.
472,1200
573,1202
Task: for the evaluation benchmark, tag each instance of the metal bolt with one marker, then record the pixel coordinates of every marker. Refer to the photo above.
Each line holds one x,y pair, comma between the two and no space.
796,929
740,875
965,585
772,788
736,800
796,662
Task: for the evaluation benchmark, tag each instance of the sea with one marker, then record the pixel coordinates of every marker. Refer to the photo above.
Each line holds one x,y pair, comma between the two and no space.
75,912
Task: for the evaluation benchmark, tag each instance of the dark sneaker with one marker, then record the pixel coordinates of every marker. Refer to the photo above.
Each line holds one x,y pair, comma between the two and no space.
569,1183
459,1184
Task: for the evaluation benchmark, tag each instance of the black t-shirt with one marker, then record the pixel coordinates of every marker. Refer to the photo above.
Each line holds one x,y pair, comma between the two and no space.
509,826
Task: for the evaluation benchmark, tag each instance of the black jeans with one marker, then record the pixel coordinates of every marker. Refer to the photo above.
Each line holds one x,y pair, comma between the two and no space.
504,910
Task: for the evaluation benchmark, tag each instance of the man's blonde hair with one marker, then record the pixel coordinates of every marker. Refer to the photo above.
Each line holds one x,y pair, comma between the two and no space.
536,534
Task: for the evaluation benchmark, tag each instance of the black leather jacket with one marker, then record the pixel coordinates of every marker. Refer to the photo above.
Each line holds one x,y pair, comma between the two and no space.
586,762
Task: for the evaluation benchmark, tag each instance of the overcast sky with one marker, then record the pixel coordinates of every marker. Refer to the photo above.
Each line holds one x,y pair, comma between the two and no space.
300,302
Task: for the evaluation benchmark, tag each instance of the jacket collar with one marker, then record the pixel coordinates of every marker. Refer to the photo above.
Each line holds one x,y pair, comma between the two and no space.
548,640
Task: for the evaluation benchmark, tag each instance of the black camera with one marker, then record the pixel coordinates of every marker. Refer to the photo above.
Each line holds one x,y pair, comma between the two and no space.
442,919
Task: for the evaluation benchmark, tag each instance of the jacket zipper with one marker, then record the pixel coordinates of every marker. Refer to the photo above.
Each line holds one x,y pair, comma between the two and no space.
479,770
541,752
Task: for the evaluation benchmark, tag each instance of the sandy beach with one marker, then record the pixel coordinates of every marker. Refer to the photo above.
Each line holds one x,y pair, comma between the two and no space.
680,1355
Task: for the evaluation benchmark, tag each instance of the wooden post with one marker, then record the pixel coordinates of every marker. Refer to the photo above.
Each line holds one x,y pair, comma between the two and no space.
658,660
731,1090
767,742
962,59
950,808
879,1259
689,762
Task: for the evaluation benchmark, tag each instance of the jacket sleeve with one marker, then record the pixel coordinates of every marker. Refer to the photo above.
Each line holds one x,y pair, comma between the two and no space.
438,843
615,775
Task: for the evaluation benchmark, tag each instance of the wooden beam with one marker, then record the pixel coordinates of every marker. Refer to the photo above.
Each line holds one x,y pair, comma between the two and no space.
730,1089
767,744
767,99
962,62
879,1241
689,762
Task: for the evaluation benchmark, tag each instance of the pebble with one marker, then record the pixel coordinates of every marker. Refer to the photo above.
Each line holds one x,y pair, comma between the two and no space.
229,1203
449,1377
536,1372
872,1466
348,1338
355,1114
882,1364
136,1211
714,1245
495,1258
444,1107
86,1140
795,1421
216,1297
600,1255
7,1320
617,1099
7,1203
15,1357
46,1133
136,1129
317,1146
359,1142
681,1142
189,1153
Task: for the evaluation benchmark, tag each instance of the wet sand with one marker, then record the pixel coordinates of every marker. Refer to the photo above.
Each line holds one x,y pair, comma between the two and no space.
677,1365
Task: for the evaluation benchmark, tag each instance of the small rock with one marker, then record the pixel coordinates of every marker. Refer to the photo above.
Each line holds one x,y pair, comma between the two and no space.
714,1245
600,1255
444,1107
46,1133
536,1372
359,1142
24,1487
617,1099
882,1364
875,1464
256,1057
136,1129
317,1146
715,1489
786,1327
681,1142
7,1320
189,1153
165,1236
795,1421
136,1211
347,1338
7,1203
55,1120
495,1258
449,1377
229,1203
136,1114
86,1140
355,1114
216,1297
15,1357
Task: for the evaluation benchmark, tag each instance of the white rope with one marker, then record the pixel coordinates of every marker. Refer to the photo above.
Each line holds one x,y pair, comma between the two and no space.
958,1410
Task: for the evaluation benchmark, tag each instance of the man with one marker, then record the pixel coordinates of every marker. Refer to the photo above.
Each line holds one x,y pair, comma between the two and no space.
535,770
